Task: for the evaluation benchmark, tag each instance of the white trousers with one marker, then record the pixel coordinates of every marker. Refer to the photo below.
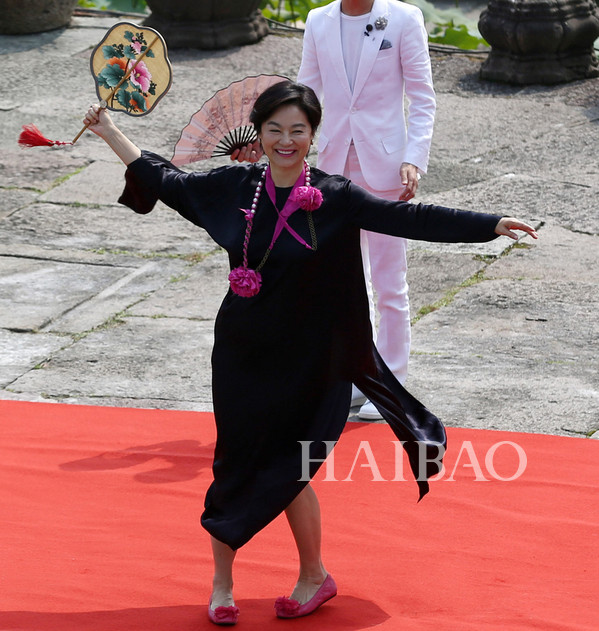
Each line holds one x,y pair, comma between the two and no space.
385,269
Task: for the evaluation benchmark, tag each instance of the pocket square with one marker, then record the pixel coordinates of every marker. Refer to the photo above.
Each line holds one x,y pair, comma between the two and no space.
385,44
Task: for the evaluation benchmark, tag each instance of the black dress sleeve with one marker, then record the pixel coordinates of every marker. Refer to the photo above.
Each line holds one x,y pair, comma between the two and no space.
425,222
195,195
144,179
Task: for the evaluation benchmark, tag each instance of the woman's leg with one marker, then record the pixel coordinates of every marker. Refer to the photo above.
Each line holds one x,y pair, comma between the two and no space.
303,515
222,584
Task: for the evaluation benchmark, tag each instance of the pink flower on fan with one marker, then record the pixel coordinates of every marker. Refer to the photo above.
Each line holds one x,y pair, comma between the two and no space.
140,76
308,197
136,45
245,282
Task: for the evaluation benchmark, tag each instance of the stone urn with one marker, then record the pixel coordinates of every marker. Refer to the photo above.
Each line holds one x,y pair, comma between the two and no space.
207,24
540,41
20,17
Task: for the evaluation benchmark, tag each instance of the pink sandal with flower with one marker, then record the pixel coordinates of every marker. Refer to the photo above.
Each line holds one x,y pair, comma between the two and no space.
290,608
224,616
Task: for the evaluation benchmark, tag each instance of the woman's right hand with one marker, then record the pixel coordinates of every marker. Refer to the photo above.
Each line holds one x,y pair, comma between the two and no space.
98,120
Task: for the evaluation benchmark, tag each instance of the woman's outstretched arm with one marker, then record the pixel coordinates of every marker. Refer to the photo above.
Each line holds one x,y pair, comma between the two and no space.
99,121
428,222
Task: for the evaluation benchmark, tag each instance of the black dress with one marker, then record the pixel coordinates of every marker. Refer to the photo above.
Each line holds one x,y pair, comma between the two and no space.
284,360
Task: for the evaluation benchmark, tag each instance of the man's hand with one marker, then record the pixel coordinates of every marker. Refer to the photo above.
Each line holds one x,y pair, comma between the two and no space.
250,153
409,180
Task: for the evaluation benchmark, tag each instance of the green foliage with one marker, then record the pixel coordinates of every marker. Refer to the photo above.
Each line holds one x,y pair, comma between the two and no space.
455,35
126,6
450,26
447,26
289,10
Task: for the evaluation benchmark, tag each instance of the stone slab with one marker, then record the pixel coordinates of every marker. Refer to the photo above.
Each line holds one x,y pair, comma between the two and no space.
20,353
69,255
560,155
502,355
12,200
431,275
195,294
165,359
33,293
467,127
36,169
100,183
445,174
560,255
118,296
114,229
532,199
495,248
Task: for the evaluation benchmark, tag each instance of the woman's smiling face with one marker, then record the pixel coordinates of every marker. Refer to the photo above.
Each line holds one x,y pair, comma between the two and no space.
286,137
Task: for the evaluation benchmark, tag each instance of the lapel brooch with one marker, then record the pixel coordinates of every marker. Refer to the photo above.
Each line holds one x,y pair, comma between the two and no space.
379,24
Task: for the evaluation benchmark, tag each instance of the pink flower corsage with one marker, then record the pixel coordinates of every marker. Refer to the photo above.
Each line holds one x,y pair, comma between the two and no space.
245,282
307,197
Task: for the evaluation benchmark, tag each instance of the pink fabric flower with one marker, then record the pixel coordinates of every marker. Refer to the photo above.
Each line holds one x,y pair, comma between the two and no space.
225,614
287,606
308,197
245,282
141,76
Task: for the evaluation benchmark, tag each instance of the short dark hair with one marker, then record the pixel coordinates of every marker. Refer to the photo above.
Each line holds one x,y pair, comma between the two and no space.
286,93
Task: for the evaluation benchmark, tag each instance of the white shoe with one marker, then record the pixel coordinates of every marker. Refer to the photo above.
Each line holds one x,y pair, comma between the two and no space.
369,412
357,398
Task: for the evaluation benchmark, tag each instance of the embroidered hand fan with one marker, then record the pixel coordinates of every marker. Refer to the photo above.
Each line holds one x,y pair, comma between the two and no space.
131,70
222,124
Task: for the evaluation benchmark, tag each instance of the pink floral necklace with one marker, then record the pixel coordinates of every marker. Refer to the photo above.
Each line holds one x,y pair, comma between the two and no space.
246,282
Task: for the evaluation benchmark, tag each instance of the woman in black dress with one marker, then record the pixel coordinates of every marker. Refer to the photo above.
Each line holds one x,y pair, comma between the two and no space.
293,332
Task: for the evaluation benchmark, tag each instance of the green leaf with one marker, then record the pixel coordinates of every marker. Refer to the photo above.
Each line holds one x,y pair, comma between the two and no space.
289,10
130,52
451,26
128,35
111,51
139,100
110,76
123,97
124,6
455,35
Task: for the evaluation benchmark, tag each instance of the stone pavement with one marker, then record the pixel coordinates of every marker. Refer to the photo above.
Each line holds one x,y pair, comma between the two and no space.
100,306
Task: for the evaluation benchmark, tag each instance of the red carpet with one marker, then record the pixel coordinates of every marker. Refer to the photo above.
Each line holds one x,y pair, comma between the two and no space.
100,530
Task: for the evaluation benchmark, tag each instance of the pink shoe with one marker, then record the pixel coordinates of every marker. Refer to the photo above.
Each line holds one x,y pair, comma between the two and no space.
290,608
225,616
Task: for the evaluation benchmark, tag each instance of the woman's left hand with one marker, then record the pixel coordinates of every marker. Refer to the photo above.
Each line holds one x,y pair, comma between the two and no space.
250,153
507,225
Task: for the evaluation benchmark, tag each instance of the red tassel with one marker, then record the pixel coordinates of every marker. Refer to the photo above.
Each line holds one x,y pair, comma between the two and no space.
31,136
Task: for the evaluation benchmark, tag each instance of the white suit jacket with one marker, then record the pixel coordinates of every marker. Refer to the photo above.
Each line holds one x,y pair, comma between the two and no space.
394,63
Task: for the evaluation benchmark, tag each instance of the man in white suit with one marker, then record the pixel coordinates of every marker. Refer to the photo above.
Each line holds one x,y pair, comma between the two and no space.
362,58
